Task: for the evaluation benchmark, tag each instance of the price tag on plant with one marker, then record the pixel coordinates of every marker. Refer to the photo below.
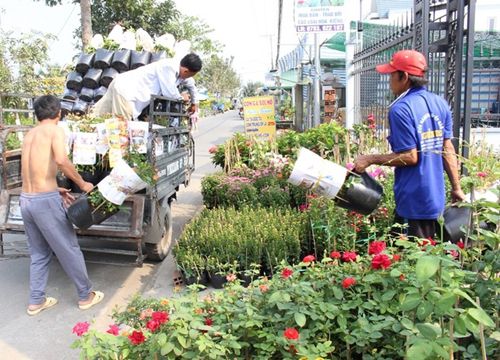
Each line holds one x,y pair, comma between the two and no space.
121,182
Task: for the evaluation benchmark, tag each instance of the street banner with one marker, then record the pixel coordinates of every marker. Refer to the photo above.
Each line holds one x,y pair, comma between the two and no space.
319,16
259,117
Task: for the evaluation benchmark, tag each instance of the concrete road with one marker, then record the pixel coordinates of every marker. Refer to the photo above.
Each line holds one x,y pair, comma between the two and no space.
48,336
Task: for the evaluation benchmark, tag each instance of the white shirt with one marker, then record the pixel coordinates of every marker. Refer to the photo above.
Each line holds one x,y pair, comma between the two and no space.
158,78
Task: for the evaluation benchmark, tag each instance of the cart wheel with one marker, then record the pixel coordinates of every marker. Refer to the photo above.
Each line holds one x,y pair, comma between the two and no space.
158,251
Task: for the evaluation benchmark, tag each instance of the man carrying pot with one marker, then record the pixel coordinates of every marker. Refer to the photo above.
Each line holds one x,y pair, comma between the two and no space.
130,92
420,138
42,207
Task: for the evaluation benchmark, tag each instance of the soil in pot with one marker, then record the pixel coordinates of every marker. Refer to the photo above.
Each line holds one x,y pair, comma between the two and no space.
84,63
80,107
92,78
107,76
74,81
102,59
139,58
87,94
69,94
121,60
217,281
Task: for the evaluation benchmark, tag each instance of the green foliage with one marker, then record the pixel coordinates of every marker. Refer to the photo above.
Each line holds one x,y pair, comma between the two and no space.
379,314
245,237
250,89
219,76
100,203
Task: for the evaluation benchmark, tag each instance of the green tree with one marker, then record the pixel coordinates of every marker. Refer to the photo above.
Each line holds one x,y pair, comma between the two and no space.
250,89
218,76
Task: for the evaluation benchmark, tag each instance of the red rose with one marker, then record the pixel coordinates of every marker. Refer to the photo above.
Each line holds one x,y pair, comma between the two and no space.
208,321
461,244
349,256
291,334
335,255
348,282
153,325
137,337
81,328
113,330
286,273
381,261
427,241
308,258
160,316
396,257
376,247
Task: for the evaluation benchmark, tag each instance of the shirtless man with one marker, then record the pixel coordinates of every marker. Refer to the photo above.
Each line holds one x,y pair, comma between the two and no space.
42,207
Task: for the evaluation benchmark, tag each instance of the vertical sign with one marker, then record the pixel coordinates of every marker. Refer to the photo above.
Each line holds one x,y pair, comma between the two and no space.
259,117
330,98
319,15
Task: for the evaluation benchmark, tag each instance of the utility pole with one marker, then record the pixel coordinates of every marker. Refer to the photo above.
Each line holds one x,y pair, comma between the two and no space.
317,83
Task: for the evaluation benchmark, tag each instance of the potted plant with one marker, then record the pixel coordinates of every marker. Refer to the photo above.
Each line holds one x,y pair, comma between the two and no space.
139,57
92,78
107,76
104,55
121,60
84,63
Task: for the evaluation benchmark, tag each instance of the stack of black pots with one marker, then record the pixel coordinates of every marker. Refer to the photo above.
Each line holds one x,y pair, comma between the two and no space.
94,72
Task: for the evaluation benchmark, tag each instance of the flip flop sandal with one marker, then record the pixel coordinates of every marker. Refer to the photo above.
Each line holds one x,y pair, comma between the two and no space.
49,302
98,296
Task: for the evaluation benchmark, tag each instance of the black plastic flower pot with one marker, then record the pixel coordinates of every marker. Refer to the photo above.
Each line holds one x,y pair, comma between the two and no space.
217,281
158,55
102,59
83,215
84,63
246,280
66,107
63,181
92,78
74,81
139,58
121,60
87,94
107,76
99,92
456,222
80,107
362,195
69,94
201,279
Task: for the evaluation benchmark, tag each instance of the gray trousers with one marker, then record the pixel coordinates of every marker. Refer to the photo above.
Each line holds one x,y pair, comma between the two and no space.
49,230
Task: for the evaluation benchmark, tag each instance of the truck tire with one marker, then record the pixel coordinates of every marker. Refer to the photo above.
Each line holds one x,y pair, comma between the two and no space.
158,251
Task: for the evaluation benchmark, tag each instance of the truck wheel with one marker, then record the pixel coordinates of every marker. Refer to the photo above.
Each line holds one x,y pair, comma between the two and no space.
158,251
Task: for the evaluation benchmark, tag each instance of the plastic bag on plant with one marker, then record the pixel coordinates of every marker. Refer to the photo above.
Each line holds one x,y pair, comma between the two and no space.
97,41
144,39
121,182
128,40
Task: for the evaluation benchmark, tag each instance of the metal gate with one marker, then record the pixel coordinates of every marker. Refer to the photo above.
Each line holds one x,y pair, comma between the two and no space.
444,32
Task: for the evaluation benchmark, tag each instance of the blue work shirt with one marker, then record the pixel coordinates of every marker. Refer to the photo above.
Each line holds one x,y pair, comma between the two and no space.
420,120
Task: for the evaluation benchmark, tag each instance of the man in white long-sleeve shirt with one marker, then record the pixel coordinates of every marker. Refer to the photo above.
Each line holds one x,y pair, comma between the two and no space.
130,92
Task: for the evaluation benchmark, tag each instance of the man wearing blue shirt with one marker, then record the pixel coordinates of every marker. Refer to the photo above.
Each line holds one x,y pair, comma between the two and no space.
420,138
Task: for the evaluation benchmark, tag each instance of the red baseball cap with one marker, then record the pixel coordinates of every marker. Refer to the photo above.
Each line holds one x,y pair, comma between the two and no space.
410,61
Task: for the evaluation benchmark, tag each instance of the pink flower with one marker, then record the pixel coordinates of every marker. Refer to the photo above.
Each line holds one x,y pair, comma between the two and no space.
303,207
453,253
153,325
376,247
160,316
308,259
230,277
349,256
349,166
291,334
113,330
482,174
81,328
335,255
378,173
348,282
212,149
381,261
137,337
286,273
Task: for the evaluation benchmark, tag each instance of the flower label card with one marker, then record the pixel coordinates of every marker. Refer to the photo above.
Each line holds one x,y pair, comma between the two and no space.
84,149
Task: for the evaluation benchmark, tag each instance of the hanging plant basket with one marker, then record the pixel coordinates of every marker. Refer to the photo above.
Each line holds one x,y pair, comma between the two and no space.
84,63
99,93
121,60
87,94
139,58
102,59
74,81
158,56
92,78
83,214
107,76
